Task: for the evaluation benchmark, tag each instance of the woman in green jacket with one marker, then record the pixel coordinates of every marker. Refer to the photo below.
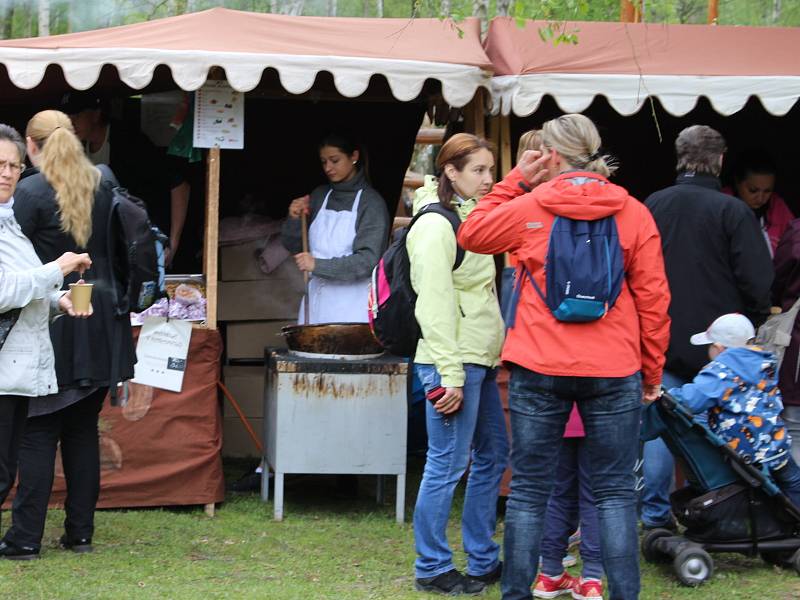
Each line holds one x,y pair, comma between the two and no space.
462,331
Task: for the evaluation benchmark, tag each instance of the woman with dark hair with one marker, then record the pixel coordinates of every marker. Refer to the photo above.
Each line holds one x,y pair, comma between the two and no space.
456,359
754,174
64,205
348,231
29,295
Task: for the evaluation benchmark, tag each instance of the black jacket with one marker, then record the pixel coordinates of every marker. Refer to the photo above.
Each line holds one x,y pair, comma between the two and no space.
83,347
716,263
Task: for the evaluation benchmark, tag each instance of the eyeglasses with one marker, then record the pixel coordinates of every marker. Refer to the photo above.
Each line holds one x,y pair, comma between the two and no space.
15,168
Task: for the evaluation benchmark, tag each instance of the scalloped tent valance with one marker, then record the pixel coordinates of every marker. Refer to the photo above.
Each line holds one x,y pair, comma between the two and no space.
627,63
407,52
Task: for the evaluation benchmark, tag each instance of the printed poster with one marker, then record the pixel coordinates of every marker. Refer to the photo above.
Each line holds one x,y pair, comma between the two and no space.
161,353
218,116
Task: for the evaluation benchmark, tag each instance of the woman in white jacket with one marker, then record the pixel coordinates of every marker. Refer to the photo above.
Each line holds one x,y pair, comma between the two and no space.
26,355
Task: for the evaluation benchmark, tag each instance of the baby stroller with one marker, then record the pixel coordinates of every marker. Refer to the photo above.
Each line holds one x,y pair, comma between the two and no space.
727,505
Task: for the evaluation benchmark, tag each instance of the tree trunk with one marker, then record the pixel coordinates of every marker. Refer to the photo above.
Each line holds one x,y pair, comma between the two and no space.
444,8
776,12
5,20
480,9
332,8
294,7
379,8
44,18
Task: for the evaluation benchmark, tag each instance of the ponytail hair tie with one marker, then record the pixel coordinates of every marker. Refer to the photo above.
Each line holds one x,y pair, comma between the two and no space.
595,156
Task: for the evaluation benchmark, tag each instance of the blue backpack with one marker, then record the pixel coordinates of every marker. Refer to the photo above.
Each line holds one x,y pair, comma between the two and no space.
583,271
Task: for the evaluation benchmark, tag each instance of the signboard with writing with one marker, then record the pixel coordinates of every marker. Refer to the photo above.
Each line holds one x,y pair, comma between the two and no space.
218,116
161,353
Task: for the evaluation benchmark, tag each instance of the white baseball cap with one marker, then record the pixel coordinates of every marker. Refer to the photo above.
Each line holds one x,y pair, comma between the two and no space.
732,331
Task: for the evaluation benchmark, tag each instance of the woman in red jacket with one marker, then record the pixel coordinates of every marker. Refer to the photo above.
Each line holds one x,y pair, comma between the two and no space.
607,366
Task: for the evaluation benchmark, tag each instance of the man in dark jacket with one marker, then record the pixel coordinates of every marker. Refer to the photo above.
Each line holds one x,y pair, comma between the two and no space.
716,263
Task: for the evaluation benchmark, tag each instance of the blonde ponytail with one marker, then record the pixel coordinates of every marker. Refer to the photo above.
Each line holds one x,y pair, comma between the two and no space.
65,167
577,140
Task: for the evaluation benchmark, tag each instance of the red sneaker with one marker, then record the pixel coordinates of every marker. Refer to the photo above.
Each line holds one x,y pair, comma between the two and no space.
588,589
552,587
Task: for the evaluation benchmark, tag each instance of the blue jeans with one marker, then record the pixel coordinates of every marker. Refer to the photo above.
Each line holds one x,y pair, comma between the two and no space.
658,468
610,410
788,479
477,431
572,502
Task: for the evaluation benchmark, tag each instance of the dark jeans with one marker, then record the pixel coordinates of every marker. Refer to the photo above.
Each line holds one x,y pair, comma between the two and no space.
13,414
610,409
572,502
76,428
788,479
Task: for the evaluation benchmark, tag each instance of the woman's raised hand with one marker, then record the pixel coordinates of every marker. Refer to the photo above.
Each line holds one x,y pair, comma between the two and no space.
532,166
299,206
69,262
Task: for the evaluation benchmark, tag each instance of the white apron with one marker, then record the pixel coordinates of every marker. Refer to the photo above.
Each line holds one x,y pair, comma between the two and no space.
331,235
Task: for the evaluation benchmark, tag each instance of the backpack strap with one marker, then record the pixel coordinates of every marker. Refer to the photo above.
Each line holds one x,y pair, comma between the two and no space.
519,279
454,220
108,175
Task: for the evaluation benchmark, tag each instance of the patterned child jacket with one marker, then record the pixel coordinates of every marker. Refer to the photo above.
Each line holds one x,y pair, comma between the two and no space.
739,389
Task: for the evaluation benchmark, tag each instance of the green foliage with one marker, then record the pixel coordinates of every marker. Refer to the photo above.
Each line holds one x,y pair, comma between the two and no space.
18,18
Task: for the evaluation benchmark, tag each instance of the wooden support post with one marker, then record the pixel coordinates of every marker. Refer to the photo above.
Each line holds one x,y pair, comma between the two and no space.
630,11
494,138
474,115
713,11
506,161
211,242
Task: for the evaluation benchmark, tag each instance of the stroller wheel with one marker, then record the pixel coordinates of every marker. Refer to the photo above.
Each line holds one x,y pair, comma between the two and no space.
649,551
795,561
693,566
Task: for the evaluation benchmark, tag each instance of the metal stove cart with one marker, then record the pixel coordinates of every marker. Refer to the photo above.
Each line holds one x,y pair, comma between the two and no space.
334,416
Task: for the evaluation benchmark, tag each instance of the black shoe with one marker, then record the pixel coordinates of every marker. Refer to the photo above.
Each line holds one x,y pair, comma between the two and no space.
670,525
491,577
451,583
13,552
79,546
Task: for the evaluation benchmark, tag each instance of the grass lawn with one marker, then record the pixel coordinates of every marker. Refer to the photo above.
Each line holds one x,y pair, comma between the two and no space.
325,548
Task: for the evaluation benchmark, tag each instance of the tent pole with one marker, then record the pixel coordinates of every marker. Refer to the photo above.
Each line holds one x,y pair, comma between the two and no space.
505,144
713,11
474,115
211,242
630,11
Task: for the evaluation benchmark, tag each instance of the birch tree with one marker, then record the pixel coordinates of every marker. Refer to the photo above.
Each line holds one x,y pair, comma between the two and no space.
44,17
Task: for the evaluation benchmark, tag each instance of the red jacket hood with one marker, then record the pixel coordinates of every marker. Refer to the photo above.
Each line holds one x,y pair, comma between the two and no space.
581,195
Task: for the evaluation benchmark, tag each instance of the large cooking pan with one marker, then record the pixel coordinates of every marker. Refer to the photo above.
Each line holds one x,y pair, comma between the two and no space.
333,339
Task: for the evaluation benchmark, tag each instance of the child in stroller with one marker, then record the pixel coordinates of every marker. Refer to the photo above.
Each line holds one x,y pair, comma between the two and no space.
744,486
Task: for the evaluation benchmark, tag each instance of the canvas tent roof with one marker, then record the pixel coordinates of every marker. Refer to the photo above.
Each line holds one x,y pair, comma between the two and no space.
406,52
627,63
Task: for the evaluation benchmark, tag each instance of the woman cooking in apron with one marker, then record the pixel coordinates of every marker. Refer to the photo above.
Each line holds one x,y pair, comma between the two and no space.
348,232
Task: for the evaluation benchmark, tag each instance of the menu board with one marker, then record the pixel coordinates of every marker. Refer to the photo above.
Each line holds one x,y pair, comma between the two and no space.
218,116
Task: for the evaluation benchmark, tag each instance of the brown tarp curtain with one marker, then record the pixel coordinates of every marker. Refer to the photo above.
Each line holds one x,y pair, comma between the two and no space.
163,449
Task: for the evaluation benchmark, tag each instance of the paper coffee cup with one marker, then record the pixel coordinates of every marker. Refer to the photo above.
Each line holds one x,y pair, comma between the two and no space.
81,296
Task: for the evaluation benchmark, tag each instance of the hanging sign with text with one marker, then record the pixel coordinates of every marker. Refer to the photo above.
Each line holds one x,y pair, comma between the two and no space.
218,116
161,353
